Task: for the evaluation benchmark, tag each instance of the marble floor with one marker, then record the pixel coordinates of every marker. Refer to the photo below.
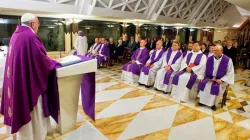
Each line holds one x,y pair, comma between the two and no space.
129,111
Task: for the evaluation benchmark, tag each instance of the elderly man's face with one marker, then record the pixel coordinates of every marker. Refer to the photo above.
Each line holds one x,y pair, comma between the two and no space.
35,25
159,45
217,51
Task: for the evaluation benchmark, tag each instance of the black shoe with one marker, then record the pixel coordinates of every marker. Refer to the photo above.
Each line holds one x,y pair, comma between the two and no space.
200,104
147,86
213,108
165,92
140,84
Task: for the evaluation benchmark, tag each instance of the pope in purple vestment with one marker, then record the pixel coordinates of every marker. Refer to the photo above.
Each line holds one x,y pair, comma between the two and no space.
28,72
131,71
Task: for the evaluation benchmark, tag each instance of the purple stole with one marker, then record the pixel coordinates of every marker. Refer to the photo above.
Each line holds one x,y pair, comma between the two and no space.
184,53
153,60
169,73
193,76
222,70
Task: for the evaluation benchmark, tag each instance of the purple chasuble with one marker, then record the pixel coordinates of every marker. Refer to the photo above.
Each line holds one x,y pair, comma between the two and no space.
29,73
105,52
141,55
153,60
193,76
169,73
222,70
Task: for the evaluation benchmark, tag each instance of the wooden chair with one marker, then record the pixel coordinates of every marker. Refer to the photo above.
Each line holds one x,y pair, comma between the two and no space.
224,98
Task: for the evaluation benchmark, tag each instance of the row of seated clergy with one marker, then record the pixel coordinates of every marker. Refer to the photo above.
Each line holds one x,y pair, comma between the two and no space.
100,51
181,76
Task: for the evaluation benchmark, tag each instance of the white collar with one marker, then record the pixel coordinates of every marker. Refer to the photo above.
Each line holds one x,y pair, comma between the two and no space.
29,27
142,48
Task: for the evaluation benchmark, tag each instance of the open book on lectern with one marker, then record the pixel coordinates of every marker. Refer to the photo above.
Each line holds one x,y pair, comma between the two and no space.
70,60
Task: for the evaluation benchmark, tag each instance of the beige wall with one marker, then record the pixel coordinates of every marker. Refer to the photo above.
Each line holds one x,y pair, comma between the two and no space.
219,34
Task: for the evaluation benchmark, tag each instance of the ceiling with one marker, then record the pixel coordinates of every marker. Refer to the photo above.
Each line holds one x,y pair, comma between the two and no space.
185,13
245,4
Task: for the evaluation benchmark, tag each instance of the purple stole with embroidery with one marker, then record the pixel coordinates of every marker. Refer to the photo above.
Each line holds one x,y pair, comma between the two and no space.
153,60
193,76
222,70
169,73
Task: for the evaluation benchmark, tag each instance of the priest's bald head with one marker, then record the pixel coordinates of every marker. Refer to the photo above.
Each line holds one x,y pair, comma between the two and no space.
30,20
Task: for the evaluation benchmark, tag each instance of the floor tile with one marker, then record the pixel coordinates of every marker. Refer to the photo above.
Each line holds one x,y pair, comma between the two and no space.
163,119
124,106
202,129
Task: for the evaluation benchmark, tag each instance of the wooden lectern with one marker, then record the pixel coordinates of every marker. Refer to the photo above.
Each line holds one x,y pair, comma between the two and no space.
69,83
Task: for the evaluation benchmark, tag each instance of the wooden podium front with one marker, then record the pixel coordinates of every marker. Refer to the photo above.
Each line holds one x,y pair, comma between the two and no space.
69,83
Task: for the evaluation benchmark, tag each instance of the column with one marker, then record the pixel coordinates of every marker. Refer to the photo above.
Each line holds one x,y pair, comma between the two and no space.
124,31
137,32
163,35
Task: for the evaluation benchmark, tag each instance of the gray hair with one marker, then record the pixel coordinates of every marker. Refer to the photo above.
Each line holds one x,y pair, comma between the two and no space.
219,46
79,32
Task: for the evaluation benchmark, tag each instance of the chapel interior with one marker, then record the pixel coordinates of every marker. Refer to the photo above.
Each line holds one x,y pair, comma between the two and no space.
125,110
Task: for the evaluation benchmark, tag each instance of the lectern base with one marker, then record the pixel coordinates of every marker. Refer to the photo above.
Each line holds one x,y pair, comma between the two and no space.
69,89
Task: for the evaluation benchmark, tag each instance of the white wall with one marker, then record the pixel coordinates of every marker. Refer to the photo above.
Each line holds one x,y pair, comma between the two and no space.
219,34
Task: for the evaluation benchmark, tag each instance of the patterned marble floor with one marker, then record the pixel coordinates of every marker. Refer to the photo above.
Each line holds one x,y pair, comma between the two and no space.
126,111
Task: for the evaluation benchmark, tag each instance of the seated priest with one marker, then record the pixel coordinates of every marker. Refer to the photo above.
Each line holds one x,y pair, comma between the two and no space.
211,50
119,49
171,63
93,50
189,49
219,72
131,71
103,53
185,82
148,72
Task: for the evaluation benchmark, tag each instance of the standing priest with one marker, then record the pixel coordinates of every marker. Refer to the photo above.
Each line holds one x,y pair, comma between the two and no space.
171,63
219,72
131,71
185,82
81,43
25,90
148,73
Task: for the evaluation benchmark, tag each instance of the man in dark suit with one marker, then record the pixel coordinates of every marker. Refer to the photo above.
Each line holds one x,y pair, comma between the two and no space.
230,51
167,44
117,52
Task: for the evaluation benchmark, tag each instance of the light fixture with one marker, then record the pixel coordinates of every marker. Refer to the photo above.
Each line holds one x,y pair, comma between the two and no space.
178,27
77,20
191,29
110,26
124,25
164,28
87,28
51,27
206,29
138,24
2,20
